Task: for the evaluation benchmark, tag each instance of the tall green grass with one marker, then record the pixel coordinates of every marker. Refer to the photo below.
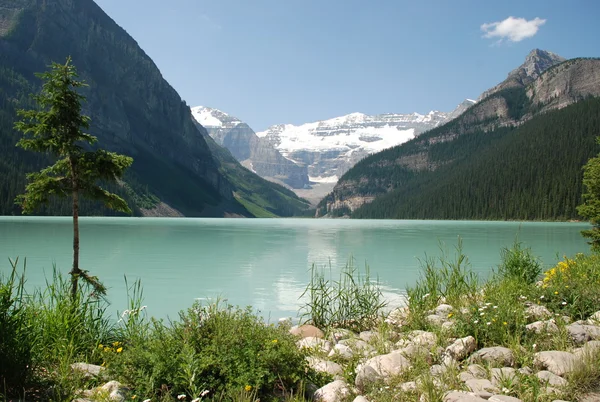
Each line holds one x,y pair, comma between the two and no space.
353,301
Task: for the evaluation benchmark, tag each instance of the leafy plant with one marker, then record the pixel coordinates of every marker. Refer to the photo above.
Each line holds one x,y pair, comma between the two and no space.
519,263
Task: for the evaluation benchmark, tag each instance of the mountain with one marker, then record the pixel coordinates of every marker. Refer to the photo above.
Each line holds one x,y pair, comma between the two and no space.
513,155
133,111
253,152
329,148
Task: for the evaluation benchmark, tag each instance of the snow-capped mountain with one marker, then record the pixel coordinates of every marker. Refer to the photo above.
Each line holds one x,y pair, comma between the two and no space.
253,152
330,147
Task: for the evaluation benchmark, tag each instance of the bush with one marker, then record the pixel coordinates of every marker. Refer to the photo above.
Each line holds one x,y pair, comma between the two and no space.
215,351
572,287
352,302
518,263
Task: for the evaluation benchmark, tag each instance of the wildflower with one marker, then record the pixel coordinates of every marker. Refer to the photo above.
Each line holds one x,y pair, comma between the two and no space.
567,286
481,314
101,346
495,306
564,303
203,393
274,341
534,345
450,315
248,388
522,297
504,323
542,296
488,304
181,397
134,396
475,322
106,349
555,293
115,344
488,323
119,350
147,400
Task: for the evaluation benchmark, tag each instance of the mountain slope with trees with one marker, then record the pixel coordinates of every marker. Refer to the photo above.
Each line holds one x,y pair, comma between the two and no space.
133,111
482,154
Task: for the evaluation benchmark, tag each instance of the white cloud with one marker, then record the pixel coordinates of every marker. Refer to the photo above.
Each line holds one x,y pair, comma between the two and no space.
512,29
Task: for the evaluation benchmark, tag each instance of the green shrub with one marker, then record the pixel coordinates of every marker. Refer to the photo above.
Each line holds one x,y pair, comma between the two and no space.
15,334
518,263
214,348
572,287
353,302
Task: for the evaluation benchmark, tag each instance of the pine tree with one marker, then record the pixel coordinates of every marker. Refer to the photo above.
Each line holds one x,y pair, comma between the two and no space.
57,128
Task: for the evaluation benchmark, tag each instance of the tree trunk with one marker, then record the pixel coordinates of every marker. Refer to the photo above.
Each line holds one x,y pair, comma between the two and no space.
75,272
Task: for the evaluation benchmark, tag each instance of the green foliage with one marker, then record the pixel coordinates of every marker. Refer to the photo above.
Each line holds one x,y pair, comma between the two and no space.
15,335
57,129
353,301
220,349
518,263
590,208
498,173
572,287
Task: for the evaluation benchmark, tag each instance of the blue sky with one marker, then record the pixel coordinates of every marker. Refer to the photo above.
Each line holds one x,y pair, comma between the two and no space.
289,61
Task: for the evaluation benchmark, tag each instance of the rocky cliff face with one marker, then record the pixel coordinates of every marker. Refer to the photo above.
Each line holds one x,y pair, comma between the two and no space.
536,62
133,109
256,154
329,148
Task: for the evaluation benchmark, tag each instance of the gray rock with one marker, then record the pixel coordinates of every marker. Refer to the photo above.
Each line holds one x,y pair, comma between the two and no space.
460,349
594,318
537,312
88,370
589,348
503,398
381,368
336,391
115,391
590,397
398,316
496,356
307,331
461,396
557,362
367,335
435,320
443,310
551,378
501,376
360,398
324,366
542,327
427,339
315,344
341,351
410,386
481,386
581,333
341,333
358,346
413,351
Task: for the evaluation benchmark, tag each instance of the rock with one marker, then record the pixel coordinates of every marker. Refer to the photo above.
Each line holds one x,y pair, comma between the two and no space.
443,310
314,343
410,386
437,370
589,397
336,391
537,312
551,378
115,391
358,346
542,327
360,398
341,333
381,368
460,349
589,348
307,331
88,370
481,386
448,325
581,333
559,363
422,338
324,366
413,351
398,316
503,398
501,376
367,335
496,355
525,370
436,320
461,396
342,351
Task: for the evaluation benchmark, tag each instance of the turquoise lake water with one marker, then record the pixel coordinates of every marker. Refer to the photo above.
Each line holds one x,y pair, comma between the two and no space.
260,262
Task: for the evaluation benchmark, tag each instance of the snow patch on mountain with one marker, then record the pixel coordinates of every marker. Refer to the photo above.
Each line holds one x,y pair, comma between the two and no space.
209,117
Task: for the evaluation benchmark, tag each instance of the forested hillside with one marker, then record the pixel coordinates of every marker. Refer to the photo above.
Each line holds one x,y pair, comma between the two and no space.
532,172
133,111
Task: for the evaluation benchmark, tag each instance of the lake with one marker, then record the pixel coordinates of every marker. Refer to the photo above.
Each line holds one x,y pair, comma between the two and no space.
260,262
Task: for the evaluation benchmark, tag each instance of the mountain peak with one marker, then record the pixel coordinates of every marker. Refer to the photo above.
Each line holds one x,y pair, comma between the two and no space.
536,62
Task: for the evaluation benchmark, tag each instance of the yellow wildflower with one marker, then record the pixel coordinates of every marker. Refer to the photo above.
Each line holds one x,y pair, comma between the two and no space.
115,344
274,341
450,315
101,346
119,350
106,349
555,293
248,388
505,323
